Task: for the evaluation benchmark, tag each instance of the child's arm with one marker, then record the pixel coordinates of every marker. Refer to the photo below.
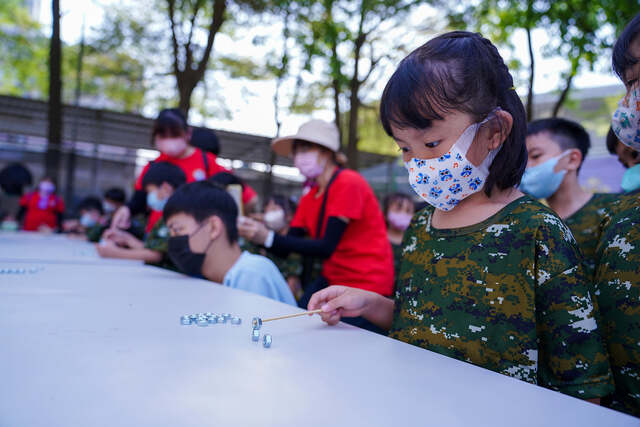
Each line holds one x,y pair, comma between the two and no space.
339,301
108,249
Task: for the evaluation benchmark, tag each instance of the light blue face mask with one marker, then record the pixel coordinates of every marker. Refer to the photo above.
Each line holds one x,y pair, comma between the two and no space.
541,181
154,202
631,179
86,220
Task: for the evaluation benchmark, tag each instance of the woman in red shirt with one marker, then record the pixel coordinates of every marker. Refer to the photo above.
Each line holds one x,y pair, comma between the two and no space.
171,136
42,209
340,215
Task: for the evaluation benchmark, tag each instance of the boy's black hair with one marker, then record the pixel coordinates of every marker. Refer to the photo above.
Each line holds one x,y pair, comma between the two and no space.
206,140
202,200
90,203
225,179
170,123
566,133
612,141
622,58
116,194
287,205
394,198
458,71
161,172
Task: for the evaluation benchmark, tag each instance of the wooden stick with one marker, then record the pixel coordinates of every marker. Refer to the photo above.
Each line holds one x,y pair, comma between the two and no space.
292,315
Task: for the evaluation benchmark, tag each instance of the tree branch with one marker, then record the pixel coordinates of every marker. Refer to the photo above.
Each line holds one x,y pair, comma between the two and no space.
192,21
174,40
219,7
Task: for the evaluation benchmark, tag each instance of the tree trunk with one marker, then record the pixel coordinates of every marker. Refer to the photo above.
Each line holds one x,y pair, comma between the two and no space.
52,156
71,156
531,76
335,83
563,95
352,136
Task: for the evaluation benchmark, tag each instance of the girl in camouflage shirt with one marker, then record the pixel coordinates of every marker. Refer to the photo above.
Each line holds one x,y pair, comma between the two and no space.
489,276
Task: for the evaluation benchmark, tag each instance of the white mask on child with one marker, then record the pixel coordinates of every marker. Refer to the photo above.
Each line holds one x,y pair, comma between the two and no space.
275,219
444,181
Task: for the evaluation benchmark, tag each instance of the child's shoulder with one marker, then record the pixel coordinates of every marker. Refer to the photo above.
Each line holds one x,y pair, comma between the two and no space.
257,264
535,216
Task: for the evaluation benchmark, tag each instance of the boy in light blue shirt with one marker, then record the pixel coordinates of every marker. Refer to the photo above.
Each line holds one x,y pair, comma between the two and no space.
201,218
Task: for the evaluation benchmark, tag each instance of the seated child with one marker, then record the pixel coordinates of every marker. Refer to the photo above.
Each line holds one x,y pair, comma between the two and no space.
42,209
398,210
160,182
201,218
90,220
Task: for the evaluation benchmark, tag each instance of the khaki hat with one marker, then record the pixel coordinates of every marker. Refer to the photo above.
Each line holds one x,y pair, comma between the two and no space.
315,131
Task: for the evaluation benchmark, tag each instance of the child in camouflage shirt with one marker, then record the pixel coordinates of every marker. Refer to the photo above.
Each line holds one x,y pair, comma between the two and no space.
489,276
160,182
556,149
617,278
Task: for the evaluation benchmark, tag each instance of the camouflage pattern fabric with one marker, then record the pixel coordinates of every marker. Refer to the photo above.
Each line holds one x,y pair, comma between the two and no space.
397,258
585,226
94,233
617,289
508,294
158,240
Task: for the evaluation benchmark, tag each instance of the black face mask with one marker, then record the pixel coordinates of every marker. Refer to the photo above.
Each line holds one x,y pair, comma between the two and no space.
186,260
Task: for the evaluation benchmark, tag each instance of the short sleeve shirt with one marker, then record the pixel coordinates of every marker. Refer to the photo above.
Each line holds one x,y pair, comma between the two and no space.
363,257
617,289
194,168
257,274
585,226
508,294
158,240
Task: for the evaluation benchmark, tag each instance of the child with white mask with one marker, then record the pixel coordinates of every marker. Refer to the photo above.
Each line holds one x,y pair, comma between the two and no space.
489,276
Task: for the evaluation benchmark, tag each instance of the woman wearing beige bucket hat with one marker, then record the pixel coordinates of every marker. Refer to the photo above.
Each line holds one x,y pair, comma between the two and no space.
340,217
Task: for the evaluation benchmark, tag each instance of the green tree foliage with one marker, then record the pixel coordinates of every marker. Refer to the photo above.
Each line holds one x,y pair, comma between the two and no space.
582,31
345,42
111,75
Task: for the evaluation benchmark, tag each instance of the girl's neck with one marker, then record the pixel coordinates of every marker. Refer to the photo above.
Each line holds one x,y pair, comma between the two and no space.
187,152
475,209
569,198
395,236
325,176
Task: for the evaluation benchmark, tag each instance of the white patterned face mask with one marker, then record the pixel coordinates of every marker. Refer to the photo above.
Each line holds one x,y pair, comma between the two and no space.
626,119
444,181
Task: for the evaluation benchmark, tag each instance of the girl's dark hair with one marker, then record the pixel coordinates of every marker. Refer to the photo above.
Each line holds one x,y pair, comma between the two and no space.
394,198
458,71
622,58
169,123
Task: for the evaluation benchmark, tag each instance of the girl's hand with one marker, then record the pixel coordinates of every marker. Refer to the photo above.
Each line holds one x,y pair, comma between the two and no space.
252,230
121,218
107,249
341,301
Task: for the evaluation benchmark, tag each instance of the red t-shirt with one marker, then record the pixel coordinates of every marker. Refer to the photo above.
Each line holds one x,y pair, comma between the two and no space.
363,258
40,212
194,168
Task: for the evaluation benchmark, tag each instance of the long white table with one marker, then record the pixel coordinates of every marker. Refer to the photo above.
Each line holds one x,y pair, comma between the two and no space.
85,344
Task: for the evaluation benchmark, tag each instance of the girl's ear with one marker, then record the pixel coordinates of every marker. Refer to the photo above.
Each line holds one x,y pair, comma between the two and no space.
499,129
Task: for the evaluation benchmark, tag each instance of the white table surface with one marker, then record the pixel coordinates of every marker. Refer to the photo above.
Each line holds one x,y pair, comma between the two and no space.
102,345
52,248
